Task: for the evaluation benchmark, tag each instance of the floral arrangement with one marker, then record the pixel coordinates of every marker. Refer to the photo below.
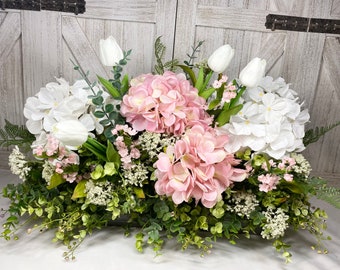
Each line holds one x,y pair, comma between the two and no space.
189,155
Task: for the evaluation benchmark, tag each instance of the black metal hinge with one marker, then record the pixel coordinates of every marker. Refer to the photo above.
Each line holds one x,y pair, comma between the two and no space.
73,6
302,24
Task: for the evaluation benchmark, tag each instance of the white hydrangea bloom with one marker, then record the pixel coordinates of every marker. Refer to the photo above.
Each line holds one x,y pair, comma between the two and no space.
59,101
271,120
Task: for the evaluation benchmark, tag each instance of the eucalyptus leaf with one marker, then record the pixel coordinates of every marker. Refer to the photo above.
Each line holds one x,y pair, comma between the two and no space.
98,101
109,108
99,114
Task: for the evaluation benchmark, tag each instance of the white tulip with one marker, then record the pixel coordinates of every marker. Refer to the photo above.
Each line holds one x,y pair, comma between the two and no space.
254,71
220,58
110,52
72,133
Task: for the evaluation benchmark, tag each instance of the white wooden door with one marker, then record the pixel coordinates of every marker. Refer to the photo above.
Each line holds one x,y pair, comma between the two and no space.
35,47
309,61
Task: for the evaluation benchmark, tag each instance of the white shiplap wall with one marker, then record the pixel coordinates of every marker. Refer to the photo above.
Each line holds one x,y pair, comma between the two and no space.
36,46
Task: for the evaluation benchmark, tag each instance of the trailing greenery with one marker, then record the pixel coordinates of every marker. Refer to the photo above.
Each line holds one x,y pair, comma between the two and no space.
313,135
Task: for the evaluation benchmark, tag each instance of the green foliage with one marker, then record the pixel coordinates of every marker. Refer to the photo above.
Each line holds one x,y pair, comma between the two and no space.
192,56
161,67
108,114
313,135
13,134
324,192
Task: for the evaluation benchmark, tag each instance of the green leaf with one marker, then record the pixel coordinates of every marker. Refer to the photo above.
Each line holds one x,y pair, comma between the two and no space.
225,115
139,192
109,108
125,85
110,168
39,212
109,87
79,190
200,80
98,100
96,148
206,80
238,96
213,104
190,73
12,219
56,180
207,93
114,115
98,172
112,154
99,114
105,122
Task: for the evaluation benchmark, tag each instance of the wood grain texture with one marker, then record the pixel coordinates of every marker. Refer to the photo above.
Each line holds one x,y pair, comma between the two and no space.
41,39
325,154
122,10
335,10
185,27
234,18
37,46
11,82
81,49
10,31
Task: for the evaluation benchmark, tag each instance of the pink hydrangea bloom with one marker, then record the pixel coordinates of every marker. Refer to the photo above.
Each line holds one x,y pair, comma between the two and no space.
164,104
198,167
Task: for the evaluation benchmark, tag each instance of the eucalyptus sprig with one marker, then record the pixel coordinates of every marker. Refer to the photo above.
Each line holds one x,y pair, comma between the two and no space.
107,113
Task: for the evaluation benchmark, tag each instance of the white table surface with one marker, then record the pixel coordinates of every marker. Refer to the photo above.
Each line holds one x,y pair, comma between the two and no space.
109,249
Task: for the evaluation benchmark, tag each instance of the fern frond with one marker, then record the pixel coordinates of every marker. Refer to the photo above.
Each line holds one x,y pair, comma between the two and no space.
160,67
313,135
159,54
13,134
324,192
171,65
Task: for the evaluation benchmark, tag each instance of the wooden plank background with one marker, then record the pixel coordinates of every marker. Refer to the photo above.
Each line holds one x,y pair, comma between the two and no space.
35,47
